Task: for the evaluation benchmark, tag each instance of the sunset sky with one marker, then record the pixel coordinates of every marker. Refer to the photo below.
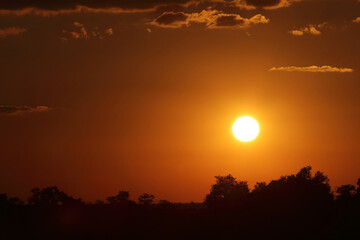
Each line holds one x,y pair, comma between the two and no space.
98,96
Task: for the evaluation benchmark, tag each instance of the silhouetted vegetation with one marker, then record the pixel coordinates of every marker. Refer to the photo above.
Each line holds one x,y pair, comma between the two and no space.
146,199
297,206
121,199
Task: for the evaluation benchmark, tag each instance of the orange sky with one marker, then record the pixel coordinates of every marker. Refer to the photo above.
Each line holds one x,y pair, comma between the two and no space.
141,95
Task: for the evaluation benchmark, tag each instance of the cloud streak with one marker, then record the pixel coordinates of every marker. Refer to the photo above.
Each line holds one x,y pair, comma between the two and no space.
61,7
75,10
211,18
18,110
81,32
322,69
11,31
242,4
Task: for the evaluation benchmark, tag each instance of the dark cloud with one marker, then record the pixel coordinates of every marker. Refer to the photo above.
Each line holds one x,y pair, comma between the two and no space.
168,18
70,4
211,18
228,21
263,3
127,5
16,110
60,7
47,8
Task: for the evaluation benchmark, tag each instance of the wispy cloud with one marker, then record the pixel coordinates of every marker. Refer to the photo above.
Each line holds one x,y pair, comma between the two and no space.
17,110
11,31
313,29
322,69
75,10
61,7
212,19
80,32
247,4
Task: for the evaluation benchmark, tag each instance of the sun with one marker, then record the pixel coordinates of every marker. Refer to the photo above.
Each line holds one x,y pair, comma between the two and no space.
245,129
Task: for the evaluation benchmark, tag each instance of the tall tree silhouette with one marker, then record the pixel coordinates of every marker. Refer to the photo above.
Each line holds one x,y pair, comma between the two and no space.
227,191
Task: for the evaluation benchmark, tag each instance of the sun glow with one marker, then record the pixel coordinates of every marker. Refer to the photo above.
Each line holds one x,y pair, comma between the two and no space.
245,129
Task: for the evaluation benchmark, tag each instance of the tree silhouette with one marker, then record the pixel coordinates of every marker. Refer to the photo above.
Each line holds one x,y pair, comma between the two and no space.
296,206
5,201
345,192
146,199
259,187
121,198
166,205
51,197
301,193
227,191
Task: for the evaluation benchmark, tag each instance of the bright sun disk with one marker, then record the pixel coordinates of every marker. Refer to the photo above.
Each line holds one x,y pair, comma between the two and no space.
246,129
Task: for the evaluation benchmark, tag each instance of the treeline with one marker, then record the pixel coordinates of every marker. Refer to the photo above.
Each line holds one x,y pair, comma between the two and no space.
297,206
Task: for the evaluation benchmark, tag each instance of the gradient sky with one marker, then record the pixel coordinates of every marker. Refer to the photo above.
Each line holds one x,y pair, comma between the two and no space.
102,96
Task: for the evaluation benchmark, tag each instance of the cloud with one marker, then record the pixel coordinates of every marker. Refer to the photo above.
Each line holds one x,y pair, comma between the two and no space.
11,31
75,10
80,32
171,19
269,3
265,4
109,31
17,110
61,7
77,24
262,3
309,29
211,18
297,32
245,4
356,20
71,4
322,69
229,21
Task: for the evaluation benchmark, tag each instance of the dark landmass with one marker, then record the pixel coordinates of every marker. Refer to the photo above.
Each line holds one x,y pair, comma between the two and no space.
298,206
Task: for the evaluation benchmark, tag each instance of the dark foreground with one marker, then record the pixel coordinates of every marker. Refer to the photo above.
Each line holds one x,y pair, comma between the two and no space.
299,206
